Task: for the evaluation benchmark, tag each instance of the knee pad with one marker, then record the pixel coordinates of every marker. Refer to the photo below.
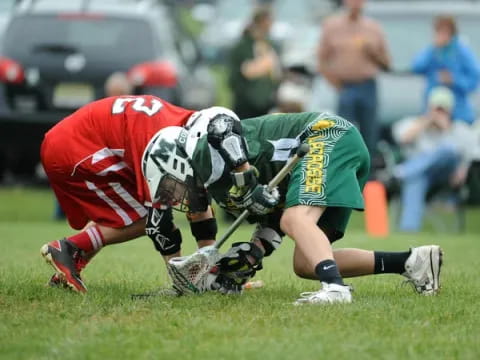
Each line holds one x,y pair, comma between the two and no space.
269,238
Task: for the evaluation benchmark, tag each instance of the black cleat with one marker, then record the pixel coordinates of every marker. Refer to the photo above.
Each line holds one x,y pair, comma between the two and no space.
63,256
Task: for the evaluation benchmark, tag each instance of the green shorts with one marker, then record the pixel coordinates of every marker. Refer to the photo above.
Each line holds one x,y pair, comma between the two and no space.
331,175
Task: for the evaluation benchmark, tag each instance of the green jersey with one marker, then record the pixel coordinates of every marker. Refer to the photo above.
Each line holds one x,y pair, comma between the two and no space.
332,174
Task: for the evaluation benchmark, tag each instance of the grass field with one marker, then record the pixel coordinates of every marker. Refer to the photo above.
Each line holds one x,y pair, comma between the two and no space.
386,320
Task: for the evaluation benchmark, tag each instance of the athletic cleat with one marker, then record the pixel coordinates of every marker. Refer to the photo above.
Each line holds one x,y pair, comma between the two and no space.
65,258
422,269
328,294
56,281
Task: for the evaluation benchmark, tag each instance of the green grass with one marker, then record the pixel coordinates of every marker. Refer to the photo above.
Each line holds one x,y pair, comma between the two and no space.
386,320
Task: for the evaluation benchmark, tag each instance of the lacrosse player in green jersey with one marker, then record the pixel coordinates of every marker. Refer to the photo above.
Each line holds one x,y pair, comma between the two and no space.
234,159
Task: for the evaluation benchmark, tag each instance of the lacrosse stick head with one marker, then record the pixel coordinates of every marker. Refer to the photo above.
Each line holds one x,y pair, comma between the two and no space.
192,274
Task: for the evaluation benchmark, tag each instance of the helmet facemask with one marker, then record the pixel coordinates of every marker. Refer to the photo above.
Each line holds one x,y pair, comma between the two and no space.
173,193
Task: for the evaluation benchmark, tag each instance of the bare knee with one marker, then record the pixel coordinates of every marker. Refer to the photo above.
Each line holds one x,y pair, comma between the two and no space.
300,271
301,267
287,223
295,219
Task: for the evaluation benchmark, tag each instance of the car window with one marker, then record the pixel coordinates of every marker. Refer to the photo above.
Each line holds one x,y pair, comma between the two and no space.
122,39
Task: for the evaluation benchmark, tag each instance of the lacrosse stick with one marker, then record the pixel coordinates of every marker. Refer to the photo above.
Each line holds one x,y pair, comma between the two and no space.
190,274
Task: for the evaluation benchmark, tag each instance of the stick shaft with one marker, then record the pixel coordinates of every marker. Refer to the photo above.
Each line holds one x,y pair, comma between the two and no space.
231,229
274,182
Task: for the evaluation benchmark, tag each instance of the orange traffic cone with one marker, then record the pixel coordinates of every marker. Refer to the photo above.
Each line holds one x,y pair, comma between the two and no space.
376,209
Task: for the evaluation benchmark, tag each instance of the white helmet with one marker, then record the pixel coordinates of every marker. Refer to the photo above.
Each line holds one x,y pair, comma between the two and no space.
166,166
198,121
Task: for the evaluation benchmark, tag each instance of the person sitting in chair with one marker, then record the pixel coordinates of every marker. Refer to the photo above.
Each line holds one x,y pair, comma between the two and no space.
436,149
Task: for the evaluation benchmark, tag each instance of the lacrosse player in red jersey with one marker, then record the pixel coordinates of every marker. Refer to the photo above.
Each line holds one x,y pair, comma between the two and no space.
93,160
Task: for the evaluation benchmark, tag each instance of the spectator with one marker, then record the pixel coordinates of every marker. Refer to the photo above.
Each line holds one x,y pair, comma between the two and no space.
254,68
351,53
437,151
449,62
117,84
291,97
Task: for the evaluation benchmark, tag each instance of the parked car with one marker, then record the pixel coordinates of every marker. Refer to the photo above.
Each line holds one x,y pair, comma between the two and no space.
78,44
408,29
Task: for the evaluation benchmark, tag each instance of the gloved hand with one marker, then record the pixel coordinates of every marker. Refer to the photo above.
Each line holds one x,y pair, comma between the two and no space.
238,265
227,285
258,200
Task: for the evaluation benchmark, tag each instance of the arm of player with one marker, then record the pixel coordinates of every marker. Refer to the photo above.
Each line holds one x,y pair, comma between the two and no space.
200,215
203,226
247,193
224,133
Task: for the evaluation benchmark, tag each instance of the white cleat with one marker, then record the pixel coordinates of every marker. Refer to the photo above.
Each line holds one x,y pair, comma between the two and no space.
422,269
328,294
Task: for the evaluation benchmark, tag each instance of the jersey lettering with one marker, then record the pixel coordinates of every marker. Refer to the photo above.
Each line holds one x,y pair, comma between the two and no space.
138,105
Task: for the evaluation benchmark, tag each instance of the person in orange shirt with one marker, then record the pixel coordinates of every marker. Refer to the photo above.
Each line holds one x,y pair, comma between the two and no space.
351,53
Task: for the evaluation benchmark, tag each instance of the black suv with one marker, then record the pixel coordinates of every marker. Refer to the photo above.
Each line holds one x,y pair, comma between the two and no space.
56,55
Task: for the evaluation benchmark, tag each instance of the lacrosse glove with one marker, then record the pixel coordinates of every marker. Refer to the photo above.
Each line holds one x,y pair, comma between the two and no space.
238,265
246,193
227,285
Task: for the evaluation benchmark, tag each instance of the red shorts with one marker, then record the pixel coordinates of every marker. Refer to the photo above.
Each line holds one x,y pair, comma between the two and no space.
91,183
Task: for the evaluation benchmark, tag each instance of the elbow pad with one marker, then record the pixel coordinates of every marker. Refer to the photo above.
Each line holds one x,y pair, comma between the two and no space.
204,230
224,133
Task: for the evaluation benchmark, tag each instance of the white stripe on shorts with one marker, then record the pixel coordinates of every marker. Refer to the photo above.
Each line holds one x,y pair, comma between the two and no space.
95,238
129,199
120,212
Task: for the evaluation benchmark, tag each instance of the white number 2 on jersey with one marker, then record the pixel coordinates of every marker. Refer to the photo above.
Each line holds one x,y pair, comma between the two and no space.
138,105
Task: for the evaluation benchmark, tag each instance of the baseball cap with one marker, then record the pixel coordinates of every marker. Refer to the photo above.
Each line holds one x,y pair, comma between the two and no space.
442,97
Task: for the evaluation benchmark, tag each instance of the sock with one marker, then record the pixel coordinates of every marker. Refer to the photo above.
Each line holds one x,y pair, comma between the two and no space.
89,240
390,262
327,271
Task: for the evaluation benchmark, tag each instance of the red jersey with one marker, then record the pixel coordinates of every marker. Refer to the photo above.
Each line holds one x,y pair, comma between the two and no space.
102,144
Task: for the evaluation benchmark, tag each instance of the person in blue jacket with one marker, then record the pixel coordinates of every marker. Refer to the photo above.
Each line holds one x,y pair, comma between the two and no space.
449,62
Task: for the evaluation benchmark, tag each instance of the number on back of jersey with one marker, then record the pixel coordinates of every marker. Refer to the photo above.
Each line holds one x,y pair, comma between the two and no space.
139,105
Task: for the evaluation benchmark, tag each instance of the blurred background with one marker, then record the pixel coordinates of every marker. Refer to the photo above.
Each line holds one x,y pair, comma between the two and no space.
255,57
